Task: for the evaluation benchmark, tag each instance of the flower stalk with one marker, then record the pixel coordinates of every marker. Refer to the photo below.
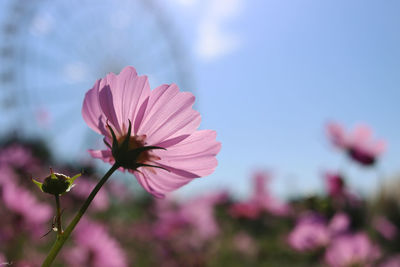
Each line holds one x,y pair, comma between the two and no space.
63,236
58,218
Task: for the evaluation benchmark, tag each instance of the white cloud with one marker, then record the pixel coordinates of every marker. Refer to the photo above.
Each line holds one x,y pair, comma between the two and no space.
214,40
75,72
41,24
214,37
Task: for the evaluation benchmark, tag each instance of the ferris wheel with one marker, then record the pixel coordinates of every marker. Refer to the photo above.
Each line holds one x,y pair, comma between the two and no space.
52,52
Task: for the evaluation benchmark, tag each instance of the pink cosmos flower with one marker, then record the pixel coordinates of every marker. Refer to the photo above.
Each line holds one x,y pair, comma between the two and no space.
264,198
34,215
335,185
339,224
358,144
200,214
170,220
17,156
386,228
247,210
95,247
160,118
313,232
196,217
352,250
260,200
310,233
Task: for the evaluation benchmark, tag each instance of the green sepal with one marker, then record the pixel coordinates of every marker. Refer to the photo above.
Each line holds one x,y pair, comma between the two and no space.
125,143
114,137
72,179
39,184
107,144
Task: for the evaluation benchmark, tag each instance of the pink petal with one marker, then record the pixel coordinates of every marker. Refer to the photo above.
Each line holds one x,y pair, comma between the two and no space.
195,154
104,155
336,133
173,141
160,182
107,101
91,111
362,133
132,92
121,97
378,147
169,114
260,180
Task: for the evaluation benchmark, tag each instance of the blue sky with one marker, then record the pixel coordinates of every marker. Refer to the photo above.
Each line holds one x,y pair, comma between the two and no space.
268,76
297,65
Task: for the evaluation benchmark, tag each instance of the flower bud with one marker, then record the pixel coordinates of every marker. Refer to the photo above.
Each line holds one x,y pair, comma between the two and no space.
56,183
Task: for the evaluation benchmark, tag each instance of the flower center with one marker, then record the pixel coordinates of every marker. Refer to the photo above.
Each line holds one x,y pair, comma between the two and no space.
134,143
362,156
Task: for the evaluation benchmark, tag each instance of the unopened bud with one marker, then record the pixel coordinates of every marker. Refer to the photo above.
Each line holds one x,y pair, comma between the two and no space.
56,183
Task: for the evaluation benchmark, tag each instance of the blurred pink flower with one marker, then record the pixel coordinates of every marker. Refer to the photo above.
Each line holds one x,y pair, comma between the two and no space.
358,144
245,244
17,156
170,221
310,233
199,212
33,214
339,224
248,210
263,197
162,117
313,232
261,200
387,229
82,190
335,185
351,250
196,217
119,190
94,247
23,203
393,261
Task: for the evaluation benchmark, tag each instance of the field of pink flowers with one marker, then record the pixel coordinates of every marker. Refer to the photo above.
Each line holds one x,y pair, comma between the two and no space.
337,228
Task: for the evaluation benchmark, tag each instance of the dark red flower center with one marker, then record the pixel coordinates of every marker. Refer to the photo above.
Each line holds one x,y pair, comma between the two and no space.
134,143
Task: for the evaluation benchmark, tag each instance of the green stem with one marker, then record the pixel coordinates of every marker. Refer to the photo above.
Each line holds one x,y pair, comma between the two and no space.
58,218
64,236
